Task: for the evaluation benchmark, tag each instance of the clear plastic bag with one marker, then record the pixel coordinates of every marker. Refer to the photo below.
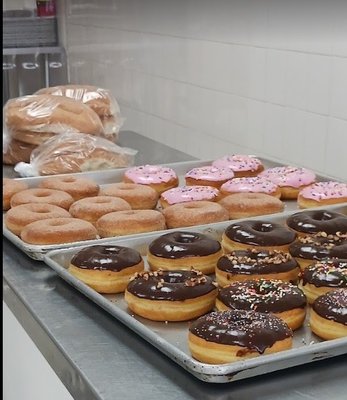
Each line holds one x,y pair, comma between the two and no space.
98,99
76,152
14,151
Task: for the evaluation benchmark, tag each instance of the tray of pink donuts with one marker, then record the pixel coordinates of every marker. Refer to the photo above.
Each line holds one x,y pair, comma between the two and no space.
226,301
48,212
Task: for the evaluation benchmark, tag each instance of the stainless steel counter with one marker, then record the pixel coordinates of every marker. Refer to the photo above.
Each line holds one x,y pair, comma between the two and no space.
97,357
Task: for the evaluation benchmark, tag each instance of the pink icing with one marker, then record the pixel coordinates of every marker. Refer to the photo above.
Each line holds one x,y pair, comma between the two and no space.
324,190
289,176
210,173
238,162
147,174
253,185
184,194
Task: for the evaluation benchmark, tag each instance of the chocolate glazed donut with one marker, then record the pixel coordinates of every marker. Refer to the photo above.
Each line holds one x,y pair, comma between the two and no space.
184,250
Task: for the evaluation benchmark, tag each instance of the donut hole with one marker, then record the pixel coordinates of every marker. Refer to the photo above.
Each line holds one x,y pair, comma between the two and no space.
322,216
42,194
263,227
69,179
58,223
102,201
185,237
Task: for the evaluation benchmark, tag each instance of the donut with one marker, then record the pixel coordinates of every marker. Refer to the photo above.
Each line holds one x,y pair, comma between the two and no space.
58,231
194,213
184,250
242,165
17,151
78,188
130,222
240,265
318,247
186,194
170,295
208,176
106,269
328,318
244,205
322,277
254,184
322,194
140,197
157,177
289,179
282,299
18,217
9,188
37,195
313,221
92,208
221,337
259,234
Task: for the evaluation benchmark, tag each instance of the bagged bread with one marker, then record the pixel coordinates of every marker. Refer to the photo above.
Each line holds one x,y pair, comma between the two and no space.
98,99
76,152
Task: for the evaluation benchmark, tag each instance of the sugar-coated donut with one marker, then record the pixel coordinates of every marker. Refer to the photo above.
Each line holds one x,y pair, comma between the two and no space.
37,195
140,197
241,164
240,265
322,194
282,299
130,222
208,176
290,179
328,318
171,295
322,277
158,177
260,234
310,222
318,247
58,231
186,194
92,208
244,205
194,213
20,216
106,269
222,337
78,188
9,188
184,250
255,184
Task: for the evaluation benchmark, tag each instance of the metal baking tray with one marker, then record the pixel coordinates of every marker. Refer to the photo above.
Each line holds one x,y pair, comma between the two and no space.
171,338
107,177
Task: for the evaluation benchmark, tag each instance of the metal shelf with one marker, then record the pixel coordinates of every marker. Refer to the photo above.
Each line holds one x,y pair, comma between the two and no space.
12,51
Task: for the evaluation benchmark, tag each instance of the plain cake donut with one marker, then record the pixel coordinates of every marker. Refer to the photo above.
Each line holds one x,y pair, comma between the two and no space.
186,194
9,188
170,295
37,195
106,268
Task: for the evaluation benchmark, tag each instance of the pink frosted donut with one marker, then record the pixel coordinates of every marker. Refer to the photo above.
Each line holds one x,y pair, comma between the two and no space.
209,176
158,177
322,193
185,194
242,165
254,184
290,179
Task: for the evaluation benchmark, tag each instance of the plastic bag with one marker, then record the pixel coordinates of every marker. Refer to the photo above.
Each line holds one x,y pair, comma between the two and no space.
36,118
98,99
14,151
76,152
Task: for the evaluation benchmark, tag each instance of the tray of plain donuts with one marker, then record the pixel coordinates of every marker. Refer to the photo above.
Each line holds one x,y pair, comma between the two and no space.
226,301
160,191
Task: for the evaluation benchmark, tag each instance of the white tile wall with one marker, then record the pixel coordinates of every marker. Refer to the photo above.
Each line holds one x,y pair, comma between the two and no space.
210,77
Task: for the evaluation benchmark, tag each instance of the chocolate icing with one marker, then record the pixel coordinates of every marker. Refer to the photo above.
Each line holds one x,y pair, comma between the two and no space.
170,285
320,246
250,329
183,244
332,306
254,261
260,233
262,295
331,273
318,221
112,258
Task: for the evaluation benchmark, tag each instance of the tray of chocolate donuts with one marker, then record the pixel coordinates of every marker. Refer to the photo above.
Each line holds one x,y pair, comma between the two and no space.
50,212
226,301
